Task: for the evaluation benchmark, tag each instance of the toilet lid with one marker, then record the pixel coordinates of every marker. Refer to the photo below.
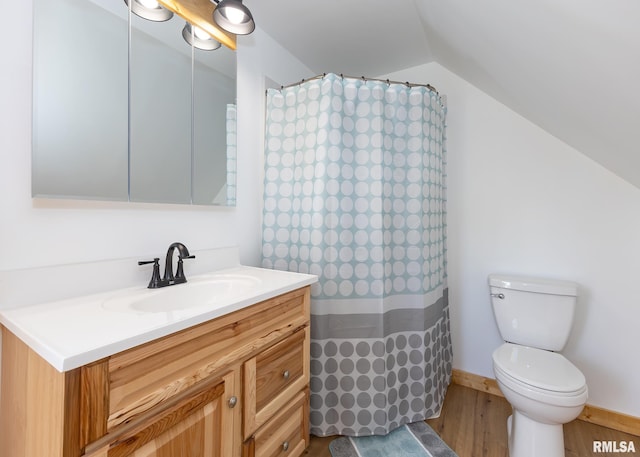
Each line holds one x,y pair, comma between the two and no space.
539,368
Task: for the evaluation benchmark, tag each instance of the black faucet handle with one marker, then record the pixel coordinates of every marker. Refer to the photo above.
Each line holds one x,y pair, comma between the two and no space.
155,276
155,261
180,272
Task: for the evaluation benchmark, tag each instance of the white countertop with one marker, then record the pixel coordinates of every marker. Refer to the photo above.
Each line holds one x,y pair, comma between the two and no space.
73,332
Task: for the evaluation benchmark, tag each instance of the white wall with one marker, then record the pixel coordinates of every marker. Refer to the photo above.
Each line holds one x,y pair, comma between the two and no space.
37,232
521,201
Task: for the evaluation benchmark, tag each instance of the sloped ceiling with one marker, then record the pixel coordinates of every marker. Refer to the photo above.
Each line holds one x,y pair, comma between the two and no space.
572,67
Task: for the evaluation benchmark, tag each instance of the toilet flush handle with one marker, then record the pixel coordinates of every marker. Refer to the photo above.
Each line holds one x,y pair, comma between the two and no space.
500,296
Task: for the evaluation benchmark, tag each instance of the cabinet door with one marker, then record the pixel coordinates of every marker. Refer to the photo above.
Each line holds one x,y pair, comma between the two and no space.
201,425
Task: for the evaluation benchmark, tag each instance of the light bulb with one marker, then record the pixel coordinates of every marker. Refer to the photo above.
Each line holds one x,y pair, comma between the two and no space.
235,15
197,31
151,4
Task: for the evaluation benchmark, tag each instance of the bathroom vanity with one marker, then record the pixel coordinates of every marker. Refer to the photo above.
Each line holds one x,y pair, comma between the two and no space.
229,378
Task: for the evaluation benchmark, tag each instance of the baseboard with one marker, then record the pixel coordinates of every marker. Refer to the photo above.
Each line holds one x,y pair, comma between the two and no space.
476,382
611,419
595,415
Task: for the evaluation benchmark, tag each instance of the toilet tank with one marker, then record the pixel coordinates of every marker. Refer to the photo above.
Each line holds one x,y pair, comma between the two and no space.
533,312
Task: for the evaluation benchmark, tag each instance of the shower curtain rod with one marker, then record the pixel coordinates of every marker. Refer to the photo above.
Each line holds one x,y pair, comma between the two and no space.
408,84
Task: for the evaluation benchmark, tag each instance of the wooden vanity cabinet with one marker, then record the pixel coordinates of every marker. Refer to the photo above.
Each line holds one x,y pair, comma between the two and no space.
233,386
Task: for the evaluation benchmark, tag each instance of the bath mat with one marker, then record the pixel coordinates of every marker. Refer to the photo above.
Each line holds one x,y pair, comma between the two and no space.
411,440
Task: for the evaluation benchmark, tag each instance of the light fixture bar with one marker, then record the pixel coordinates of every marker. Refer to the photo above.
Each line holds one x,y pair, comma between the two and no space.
199,13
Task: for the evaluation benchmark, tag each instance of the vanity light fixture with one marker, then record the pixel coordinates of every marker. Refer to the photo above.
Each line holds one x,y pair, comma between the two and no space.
150,10
198,38
233,16
207,34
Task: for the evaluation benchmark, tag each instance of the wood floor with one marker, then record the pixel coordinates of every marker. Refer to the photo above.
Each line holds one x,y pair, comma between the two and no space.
473,424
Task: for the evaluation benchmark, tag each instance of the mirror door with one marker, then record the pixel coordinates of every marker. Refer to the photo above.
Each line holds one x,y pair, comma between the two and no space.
80,63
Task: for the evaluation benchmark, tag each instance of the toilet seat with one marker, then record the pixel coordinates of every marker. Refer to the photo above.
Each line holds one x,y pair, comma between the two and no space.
542,375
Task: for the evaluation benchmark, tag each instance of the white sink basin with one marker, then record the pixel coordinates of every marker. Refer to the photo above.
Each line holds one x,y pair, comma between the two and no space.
206,291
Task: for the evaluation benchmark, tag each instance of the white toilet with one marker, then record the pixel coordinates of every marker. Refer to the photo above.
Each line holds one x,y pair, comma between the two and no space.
534,317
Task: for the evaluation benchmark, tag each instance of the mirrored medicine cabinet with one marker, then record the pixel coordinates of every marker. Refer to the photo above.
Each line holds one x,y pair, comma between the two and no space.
125,110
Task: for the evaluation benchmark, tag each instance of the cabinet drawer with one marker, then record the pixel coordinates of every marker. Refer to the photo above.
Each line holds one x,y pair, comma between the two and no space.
287,434
143,377
273,378
278,367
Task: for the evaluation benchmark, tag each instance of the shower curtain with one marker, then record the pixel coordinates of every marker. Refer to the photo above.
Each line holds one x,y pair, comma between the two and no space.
232,152
355,193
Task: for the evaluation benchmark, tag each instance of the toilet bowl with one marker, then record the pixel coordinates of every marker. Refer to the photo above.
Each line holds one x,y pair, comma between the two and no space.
544,389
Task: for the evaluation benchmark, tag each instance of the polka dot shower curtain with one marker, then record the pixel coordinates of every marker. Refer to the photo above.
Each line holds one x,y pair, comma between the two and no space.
355,193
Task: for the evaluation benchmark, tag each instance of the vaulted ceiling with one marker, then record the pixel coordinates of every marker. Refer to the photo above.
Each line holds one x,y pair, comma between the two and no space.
570,66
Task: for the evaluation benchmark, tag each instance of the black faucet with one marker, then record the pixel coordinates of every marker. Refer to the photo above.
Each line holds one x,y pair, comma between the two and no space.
183,253
168,279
